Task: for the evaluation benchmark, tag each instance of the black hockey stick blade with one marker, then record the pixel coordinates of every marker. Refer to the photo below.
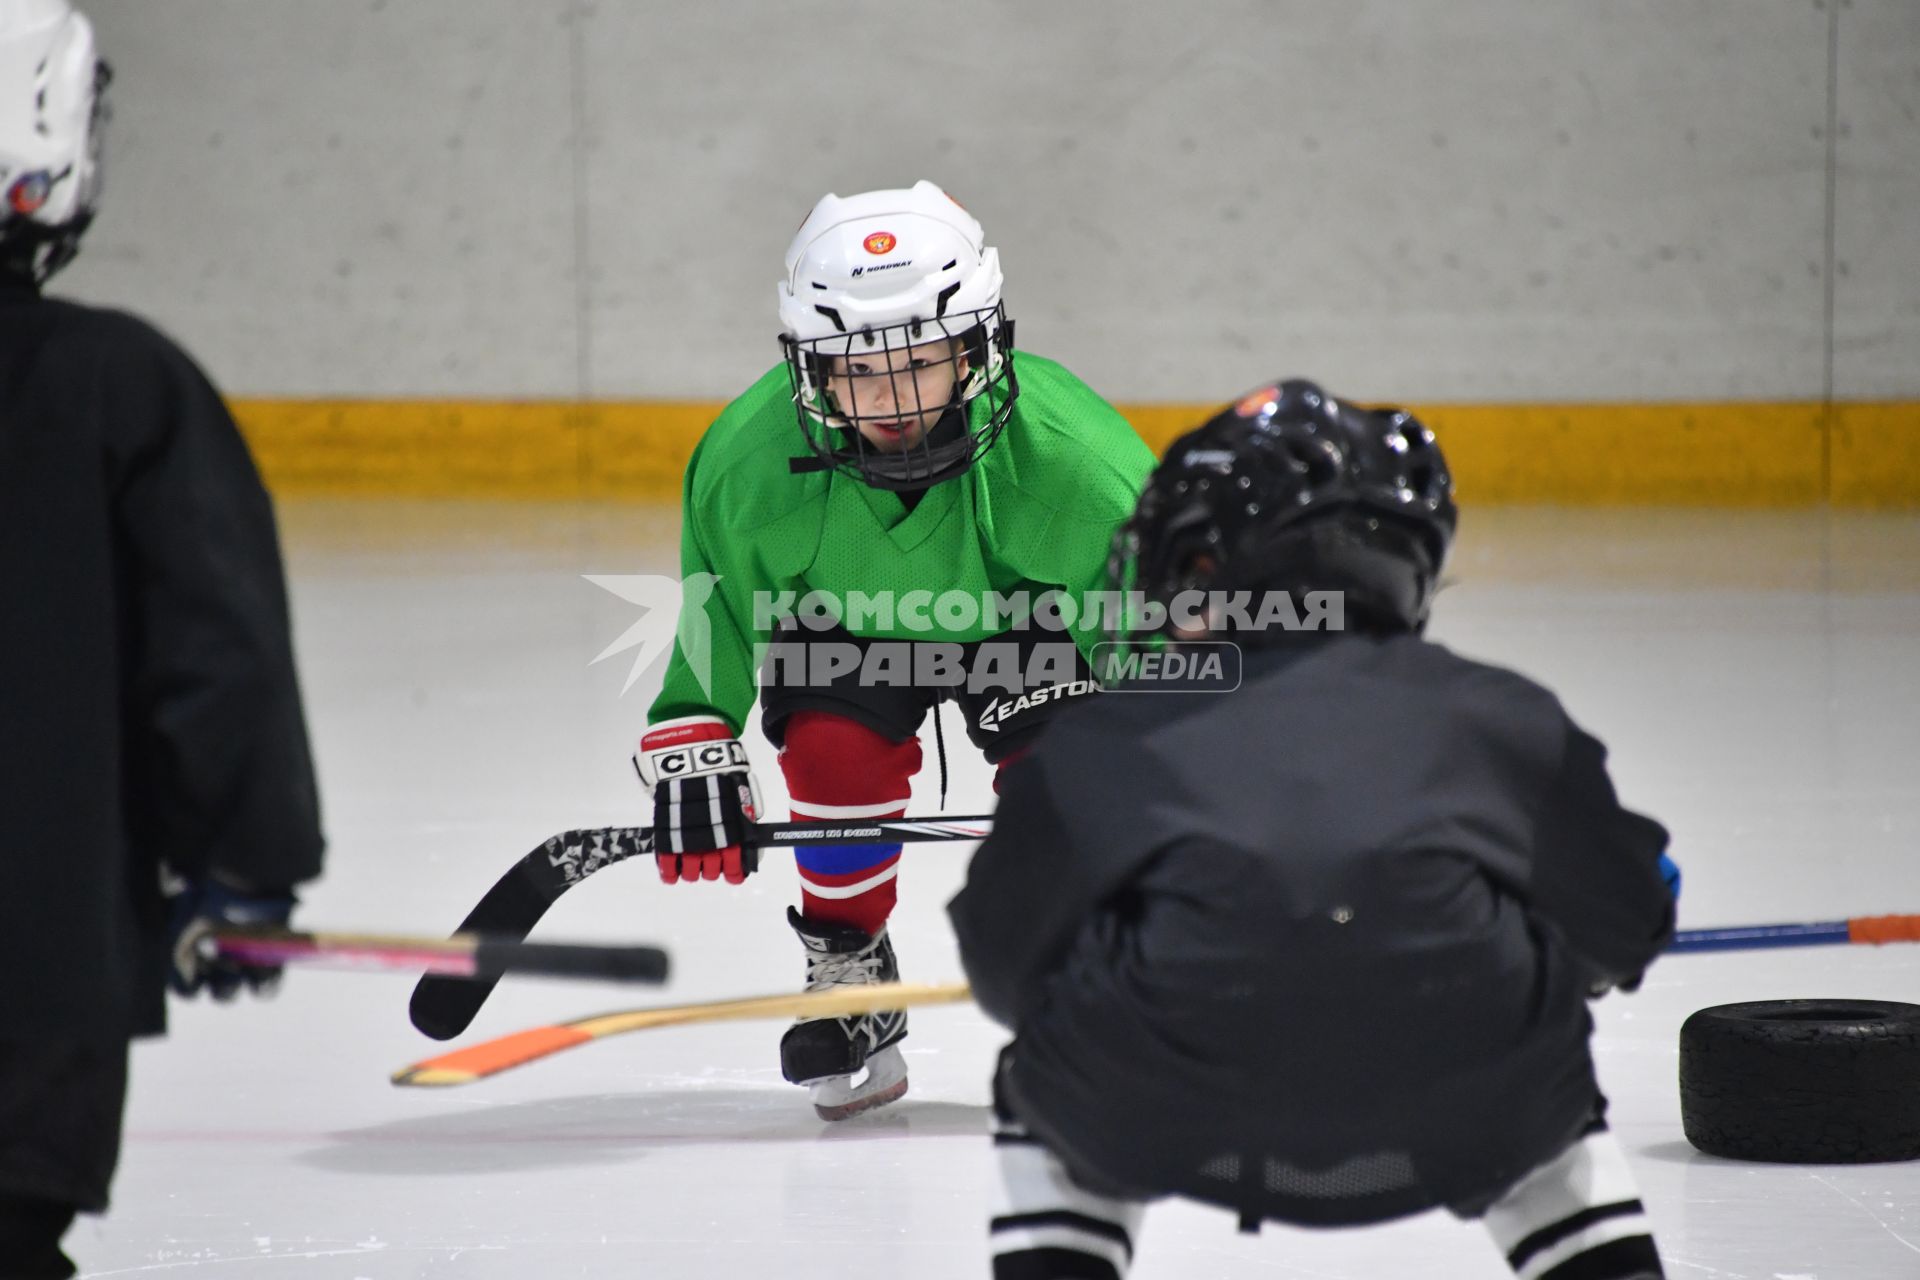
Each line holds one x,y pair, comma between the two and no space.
442,1007
572,960
463,955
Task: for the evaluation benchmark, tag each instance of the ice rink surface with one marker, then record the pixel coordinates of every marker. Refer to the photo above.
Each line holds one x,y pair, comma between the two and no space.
1757,678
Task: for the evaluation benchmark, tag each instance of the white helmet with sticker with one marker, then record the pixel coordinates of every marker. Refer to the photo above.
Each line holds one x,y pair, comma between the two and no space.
884,272
51,116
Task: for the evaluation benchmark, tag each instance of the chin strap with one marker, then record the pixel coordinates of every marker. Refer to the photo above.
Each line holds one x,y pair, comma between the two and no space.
37,252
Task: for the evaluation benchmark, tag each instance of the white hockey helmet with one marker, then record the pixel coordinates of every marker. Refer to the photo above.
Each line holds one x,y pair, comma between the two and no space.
52,110
883,271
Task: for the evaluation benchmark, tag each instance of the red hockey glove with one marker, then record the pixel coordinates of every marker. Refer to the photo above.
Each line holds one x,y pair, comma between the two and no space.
704,796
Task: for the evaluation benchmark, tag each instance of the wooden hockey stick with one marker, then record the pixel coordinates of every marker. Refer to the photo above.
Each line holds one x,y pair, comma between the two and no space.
463,955
491,1057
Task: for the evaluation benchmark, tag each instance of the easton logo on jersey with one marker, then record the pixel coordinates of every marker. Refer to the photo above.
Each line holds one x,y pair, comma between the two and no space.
998,713
880,242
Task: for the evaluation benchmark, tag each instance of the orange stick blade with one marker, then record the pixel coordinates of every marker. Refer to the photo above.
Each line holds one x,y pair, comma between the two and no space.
477,1062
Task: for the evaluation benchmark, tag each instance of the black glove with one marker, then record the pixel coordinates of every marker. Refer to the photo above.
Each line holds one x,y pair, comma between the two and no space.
202,906
1670,873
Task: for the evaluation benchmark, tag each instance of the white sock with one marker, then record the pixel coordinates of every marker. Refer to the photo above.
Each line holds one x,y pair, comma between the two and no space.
1046,1227
1577,1217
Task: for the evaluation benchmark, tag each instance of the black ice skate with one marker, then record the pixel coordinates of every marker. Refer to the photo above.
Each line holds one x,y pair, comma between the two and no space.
826,1054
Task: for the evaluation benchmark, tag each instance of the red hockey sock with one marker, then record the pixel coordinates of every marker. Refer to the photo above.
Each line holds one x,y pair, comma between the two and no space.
838,768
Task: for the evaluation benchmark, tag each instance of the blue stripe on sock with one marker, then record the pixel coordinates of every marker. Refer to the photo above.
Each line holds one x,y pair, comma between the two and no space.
842,859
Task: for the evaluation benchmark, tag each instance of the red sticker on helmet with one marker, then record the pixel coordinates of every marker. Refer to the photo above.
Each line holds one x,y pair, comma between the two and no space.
1256,404
880,242
29,192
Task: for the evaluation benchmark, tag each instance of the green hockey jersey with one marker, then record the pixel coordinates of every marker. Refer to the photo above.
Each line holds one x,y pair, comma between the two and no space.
1036,513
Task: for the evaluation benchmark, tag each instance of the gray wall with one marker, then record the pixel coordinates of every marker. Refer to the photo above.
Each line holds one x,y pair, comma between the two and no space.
1439,199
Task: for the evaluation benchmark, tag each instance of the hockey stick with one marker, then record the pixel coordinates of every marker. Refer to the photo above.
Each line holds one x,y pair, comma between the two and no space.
443,1007
491,1057
464,955
477,1062
1873,930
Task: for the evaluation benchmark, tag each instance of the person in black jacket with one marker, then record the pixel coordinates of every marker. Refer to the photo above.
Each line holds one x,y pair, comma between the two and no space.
1317,949
151,729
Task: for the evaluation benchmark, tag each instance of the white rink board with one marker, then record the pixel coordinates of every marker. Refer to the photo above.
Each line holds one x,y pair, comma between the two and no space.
1475,200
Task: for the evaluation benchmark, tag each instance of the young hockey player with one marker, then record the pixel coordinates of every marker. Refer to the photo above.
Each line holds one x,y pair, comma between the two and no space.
152,723
936,466
1316,950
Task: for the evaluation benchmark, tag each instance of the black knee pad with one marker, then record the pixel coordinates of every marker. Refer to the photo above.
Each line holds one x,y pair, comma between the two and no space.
895,711
1003,718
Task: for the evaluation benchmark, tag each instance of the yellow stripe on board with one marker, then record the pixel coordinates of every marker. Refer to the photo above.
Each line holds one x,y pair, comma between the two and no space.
1731,454
1876,455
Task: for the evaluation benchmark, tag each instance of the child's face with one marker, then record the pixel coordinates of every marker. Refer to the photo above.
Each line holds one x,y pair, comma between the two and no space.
893,398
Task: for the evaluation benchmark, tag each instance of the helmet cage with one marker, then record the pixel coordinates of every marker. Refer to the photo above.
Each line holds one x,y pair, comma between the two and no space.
947,447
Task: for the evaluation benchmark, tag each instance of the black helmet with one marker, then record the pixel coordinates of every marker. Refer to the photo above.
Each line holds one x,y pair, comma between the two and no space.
1291,489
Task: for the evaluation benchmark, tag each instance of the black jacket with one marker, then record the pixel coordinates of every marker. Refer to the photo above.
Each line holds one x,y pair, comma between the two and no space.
1317,949
148,705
